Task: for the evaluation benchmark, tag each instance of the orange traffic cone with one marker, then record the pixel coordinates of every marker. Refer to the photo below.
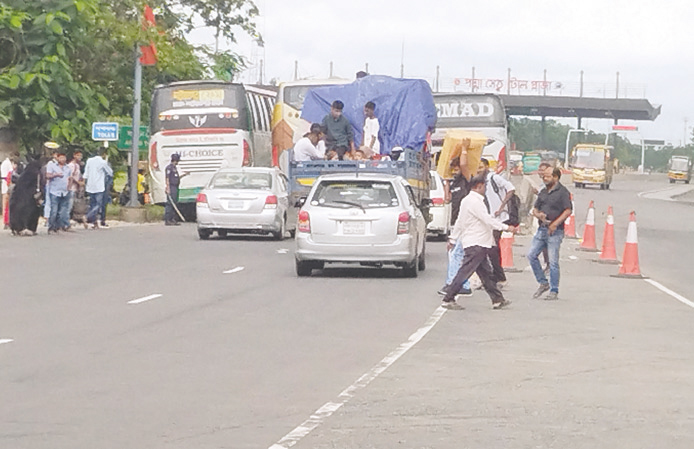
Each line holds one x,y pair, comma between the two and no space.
570,223
506,247
588,242
608,254
630,262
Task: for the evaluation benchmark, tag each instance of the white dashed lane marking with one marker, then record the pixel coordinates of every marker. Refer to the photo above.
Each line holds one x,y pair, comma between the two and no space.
145,298
675,295
233,270
5,340
323,413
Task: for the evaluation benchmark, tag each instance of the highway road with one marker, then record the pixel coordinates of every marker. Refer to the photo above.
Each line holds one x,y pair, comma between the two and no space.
146,337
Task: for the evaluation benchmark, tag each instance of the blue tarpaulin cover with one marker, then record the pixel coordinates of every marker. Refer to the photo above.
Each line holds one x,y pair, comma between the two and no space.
404,108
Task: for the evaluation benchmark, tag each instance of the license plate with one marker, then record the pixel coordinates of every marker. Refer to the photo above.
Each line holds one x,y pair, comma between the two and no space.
234,204
353,227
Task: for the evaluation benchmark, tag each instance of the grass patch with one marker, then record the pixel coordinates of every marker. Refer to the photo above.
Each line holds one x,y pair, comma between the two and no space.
154,213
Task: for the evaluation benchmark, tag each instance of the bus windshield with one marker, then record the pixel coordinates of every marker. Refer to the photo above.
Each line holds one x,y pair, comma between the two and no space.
294,96
679,164
199,105
589,159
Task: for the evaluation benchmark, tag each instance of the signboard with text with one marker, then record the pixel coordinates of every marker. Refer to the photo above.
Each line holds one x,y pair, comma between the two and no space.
104,131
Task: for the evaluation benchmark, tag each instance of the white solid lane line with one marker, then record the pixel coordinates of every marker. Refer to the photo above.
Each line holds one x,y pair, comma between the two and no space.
282,251
323,413
664,289
5,340
145,298
233,270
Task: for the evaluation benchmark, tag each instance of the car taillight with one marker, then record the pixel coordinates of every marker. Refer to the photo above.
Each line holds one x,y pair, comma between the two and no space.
246,154
304,224
404,223
271,202
438,202
201,200
153,159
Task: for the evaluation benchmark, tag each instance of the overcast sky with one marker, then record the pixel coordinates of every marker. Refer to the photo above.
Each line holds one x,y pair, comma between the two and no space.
650,43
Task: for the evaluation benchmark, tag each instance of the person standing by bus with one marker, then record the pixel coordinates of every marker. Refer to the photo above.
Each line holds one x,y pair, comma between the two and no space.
339,135
173,180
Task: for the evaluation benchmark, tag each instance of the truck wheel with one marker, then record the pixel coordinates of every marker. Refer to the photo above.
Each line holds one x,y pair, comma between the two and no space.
204,234
422,260
410,270
222,233
602,186
303,268
686,181
672,181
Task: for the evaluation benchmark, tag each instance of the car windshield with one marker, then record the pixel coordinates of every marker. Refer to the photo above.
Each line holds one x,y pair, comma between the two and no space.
361,194
241,180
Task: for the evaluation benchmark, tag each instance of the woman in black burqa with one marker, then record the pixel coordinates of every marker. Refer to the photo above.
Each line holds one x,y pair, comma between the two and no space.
25,208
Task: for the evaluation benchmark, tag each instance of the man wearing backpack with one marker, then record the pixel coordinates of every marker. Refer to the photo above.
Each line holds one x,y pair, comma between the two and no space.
501,204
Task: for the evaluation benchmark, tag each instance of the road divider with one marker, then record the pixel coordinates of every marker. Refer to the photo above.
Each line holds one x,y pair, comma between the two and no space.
323,413
233,270
145,298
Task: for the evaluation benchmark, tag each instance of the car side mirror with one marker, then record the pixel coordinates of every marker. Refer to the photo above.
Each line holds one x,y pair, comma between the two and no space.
300,202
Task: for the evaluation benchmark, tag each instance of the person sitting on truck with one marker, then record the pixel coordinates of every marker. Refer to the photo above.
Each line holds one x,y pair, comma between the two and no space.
305,148
339,135
371,129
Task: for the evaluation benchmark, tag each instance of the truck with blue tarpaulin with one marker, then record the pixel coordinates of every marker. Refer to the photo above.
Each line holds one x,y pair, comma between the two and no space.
407,116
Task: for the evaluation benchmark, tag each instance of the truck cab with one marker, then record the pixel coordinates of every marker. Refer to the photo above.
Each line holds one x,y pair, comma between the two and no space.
591,165
679,169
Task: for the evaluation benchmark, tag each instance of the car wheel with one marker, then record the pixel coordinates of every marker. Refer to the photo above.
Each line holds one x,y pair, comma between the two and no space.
303,268
222,233
279,235
422,260
292,233
410,270
204,234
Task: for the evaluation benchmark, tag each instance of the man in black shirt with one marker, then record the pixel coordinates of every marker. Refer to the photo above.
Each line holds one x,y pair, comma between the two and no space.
339,135
456,190
552,208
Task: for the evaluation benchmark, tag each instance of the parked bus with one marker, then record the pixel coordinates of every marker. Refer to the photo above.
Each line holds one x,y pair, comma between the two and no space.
482,113
287,124
211,124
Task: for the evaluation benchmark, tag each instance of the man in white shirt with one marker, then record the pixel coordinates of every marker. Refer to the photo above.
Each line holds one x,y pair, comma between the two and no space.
305,148
95,173
474,228
371,129
498,193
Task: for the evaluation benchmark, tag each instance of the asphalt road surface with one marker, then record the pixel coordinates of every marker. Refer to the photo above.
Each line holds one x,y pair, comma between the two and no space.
146,337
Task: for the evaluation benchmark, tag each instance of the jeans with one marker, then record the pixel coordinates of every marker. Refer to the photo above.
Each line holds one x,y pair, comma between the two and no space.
552,243
95,206
455,261
495,259
170,215
60,215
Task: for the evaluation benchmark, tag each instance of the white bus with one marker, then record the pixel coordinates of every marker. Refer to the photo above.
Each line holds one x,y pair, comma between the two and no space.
483,113
211,124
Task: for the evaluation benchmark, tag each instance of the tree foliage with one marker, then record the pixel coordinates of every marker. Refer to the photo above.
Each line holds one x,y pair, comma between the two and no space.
67,63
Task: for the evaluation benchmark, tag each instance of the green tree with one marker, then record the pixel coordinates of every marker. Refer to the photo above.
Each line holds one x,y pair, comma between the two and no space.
40,98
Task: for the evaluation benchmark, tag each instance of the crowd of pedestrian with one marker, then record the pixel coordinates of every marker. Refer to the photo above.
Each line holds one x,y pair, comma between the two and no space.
482,208
58,190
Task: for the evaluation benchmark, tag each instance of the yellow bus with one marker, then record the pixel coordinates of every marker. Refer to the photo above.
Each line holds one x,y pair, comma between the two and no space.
287,124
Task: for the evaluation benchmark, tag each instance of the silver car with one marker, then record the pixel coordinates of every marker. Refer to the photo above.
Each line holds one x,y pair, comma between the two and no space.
371,219
440,210
245,200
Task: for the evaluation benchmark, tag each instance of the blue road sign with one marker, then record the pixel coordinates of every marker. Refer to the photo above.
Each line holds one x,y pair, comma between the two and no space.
104,131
